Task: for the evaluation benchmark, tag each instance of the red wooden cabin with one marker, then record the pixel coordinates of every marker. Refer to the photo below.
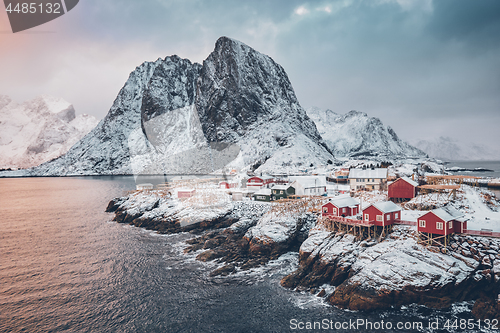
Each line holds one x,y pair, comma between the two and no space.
442,221
258,182
402,188
382,213
345,206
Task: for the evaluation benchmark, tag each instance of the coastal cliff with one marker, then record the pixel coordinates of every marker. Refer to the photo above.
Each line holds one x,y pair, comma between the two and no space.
396,271
359,274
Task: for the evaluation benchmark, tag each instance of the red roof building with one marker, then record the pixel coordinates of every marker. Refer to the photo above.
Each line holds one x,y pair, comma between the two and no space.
346,206
402,189
227,185
185,193
258,182
442,221
382,213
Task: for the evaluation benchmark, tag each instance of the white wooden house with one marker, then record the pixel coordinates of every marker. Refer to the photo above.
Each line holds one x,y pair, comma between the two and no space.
308,185
367,179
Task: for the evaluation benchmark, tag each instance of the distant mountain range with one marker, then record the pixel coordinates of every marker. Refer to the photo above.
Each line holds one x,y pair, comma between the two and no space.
39,130
236,110
356,135
449,149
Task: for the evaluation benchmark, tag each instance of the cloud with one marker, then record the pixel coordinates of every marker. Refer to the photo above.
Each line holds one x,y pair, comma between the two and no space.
301,11
407,5
418,65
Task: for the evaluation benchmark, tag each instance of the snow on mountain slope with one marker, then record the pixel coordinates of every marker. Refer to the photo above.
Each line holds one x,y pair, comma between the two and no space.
354,134
453,150
39,130
238,109
105,151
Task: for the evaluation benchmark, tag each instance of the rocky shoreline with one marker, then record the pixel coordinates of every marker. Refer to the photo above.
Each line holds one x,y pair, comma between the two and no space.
370,275
363,274
225,238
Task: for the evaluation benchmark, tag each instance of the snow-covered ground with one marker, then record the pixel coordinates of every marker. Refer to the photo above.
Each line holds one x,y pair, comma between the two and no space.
209,202
479,214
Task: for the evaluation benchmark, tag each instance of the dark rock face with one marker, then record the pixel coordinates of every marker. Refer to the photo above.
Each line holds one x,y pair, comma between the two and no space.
487,307
238,87
172,86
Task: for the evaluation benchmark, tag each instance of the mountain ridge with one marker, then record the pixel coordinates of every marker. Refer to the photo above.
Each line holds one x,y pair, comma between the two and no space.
239,98
38,130
355,134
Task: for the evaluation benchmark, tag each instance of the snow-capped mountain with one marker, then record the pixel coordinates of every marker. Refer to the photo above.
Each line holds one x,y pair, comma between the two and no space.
238,109
39,130
446,148
105,149
355,134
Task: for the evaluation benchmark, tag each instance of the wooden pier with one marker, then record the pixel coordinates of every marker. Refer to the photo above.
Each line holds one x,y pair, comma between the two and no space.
359,228
368,229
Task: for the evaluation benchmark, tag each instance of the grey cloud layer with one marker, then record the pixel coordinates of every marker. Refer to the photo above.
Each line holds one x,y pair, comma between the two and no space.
410,63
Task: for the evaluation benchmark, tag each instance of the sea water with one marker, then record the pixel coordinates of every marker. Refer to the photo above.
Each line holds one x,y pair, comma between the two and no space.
66,267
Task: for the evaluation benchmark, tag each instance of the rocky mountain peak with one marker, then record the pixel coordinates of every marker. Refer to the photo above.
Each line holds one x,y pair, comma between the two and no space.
355,114
172,86
237,87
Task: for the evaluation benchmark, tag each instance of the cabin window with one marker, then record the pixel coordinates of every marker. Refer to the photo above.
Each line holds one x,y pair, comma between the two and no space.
343,210
388,217
334,210
380,218
281,192
367,217
421,223
439,225
325,209
396,216
450,225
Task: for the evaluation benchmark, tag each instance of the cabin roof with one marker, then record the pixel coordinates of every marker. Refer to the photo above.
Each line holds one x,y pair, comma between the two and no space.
447,213
281,187
186,190
264,191
309,181
344,202
408,180
386,206
262,177
368,173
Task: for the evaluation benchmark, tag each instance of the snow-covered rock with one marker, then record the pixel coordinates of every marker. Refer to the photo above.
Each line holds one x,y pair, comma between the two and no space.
38,130
355,134
396,271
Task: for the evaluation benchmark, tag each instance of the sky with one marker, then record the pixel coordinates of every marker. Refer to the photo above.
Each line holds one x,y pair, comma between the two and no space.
427,68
